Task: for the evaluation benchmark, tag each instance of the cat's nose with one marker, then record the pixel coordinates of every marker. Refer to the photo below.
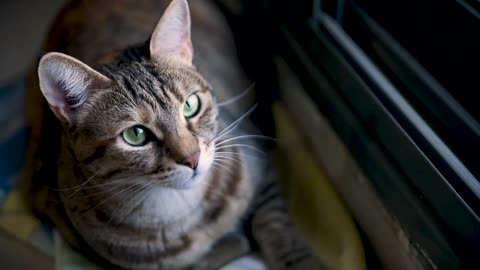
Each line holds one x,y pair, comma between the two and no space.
191,160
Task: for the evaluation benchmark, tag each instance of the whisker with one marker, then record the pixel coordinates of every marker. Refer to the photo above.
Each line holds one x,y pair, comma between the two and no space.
121,181
109,189
132,197
77,186
238,154
222,166
246,137
110,182
241,145
111,197
237,97
234,123
220,157
225,161
99,185
141,194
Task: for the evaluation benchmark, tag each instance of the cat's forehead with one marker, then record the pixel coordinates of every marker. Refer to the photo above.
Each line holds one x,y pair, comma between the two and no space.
137,77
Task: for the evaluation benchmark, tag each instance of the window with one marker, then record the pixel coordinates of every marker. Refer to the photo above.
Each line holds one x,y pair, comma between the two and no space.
396,81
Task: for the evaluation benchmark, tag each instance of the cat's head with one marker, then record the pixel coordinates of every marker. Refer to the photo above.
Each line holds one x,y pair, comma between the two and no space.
150,117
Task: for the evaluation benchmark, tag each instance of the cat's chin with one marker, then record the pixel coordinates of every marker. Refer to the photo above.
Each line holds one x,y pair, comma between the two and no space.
184,180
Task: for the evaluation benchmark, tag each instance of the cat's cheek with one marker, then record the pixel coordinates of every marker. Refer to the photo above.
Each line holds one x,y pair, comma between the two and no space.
206,158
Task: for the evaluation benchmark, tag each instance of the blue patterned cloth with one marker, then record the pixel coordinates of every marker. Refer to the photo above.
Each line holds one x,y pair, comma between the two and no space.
13,135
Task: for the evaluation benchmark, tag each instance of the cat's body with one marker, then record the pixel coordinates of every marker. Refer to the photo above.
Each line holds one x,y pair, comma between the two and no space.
158,205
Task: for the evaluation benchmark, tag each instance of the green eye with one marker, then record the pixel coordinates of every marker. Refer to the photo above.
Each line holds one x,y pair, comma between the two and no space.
135,136
191,106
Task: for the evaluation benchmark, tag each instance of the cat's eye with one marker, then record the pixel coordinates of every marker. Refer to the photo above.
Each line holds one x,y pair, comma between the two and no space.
191,106
135,136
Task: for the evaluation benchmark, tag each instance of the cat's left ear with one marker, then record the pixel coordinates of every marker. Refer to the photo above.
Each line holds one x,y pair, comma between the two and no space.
171,37
67,83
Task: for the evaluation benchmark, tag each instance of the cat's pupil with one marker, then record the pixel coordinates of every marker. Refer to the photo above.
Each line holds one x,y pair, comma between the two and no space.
192,106
137,131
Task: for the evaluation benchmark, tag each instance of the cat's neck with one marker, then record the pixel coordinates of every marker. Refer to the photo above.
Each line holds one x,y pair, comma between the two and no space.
167,206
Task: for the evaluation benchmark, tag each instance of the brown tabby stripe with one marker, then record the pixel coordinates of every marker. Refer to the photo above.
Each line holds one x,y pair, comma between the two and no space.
152,71
263,224
209,194
97,154
111,173
213,213
135,86
139,78
127,85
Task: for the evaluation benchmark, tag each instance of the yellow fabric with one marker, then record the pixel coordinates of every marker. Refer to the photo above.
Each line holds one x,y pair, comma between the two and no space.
15,217
319,212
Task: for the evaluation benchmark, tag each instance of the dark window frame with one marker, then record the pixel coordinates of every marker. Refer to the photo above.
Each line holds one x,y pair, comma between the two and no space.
421,176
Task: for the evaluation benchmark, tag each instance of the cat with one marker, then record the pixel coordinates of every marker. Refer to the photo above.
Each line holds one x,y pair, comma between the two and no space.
142,174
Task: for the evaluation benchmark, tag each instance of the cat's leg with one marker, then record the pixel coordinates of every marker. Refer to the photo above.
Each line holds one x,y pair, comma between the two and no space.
276,236
230,247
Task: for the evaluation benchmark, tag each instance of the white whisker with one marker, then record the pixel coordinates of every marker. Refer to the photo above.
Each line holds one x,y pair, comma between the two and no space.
227,157
238,154
110,189
237,97
100,185
77,186
226,161
246,137
221,166
134,196
241,145
111,197
234,123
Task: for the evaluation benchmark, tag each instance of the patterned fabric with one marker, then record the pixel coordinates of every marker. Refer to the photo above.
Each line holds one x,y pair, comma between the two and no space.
13,135
14,215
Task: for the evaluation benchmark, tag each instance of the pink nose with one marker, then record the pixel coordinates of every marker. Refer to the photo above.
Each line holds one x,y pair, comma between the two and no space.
190,161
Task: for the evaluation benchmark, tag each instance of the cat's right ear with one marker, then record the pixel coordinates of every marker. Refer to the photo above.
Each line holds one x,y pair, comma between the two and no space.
66,83
171,37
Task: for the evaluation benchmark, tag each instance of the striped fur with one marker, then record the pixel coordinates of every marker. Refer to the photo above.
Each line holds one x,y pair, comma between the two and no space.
273,229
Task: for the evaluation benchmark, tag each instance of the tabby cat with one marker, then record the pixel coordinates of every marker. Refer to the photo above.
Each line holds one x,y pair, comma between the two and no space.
137,162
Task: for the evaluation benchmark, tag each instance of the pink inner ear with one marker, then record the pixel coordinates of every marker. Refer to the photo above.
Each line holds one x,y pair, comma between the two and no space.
171,37
187,51
65,83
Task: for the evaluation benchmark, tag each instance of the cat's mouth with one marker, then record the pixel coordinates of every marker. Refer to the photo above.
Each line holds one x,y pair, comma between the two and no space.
182,178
